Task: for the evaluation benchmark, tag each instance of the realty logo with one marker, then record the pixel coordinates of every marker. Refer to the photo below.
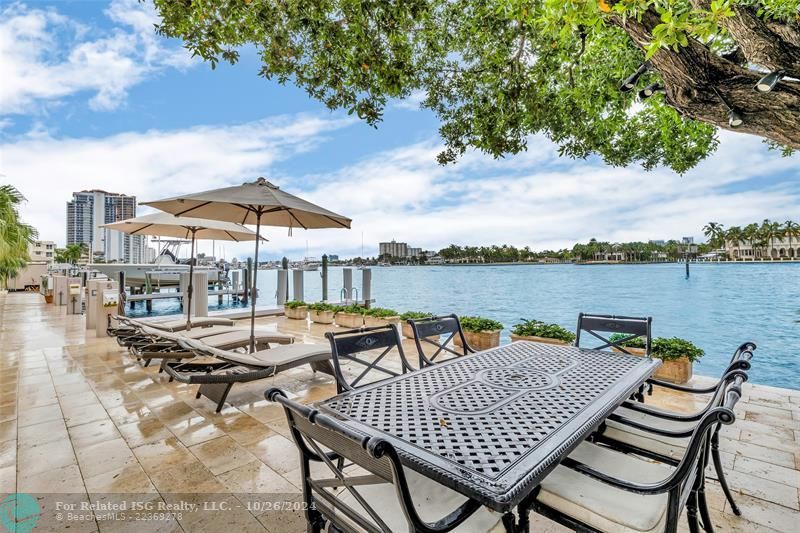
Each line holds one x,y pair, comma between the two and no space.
19,512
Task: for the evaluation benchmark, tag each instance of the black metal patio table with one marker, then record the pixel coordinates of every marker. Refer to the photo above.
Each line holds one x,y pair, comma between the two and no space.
493,424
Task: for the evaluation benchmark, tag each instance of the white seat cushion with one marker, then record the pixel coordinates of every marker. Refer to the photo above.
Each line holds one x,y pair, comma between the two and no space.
604,506
432,502
674,447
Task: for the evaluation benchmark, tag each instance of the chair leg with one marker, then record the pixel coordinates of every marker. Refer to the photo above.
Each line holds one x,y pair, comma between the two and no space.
705,516
691,513
721,475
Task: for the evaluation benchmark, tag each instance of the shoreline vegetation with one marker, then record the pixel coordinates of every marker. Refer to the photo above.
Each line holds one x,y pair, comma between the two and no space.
766,242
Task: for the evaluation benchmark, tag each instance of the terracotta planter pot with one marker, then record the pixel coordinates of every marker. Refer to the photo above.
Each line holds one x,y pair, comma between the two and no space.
480,340
675,371
375,321
406,329
297,313
321,317
48,298
349,320
534,338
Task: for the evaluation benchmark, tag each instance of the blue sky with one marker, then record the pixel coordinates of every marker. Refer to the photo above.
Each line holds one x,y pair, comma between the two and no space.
91,98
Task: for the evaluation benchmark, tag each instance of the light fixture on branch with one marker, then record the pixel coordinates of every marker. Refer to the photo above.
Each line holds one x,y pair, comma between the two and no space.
630,81
735,117
650,90
768,82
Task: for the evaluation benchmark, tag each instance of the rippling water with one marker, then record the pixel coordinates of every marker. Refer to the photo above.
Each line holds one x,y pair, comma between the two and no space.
717,308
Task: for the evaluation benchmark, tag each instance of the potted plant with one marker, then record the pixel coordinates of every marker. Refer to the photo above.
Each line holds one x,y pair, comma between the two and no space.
350,316
538,331
379,316
46,290
296,310
677,356
321,312
411,315
481,333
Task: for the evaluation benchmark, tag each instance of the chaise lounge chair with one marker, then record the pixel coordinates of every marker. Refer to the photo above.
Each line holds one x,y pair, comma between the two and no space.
216,378
158,344
128,330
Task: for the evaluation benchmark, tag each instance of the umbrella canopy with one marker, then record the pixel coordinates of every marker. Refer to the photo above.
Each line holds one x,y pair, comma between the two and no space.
243,203
259,203
166,225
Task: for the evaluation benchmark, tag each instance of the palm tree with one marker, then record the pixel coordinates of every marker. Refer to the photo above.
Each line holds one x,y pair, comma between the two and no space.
735,236
768,231
715,233
790,230
15,235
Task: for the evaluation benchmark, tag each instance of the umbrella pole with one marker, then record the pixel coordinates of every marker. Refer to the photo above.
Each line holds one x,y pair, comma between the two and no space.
253,289
190,288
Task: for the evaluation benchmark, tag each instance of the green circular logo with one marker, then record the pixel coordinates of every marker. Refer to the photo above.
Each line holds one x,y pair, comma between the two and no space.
19,512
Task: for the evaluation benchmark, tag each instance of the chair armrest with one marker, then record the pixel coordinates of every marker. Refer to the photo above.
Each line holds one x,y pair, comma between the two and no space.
650,429
639,488
683,388
657,413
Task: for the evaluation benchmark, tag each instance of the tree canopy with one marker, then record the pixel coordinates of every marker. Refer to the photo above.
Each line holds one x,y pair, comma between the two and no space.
497,71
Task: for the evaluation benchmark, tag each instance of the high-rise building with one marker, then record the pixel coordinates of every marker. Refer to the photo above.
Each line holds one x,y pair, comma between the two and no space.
393,249
88,210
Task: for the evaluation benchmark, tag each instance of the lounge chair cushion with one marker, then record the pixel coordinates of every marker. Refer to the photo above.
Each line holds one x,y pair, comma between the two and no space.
604,506
265,335
241,339
279,357
432,501
674,447
179,324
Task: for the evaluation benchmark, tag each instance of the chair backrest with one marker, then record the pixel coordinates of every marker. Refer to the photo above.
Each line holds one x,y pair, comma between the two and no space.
324,439
362,347
603,327
440,332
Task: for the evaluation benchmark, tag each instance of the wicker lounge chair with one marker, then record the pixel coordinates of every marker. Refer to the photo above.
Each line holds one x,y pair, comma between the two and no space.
216,378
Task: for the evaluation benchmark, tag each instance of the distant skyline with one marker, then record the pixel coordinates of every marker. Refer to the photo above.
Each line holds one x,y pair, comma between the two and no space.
92,98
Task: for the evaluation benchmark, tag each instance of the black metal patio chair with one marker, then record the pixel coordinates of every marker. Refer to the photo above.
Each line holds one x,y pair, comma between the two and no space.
430,331
664,435
360,347
377,494
598,488
602,327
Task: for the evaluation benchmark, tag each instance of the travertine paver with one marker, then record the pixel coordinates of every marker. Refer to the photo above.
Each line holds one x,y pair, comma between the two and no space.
79,416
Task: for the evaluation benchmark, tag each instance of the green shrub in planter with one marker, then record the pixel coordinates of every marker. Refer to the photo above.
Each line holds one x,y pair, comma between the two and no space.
380,312
321,306
294,304
415,315
675,348
352,309
477,324
537,328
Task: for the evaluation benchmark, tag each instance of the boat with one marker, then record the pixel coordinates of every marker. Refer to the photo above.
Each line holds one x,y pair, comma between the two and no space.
165,271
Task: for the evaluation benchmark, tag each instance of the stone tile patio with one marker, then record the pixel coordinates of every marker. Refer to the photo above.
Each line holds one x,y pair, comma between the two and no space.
79,417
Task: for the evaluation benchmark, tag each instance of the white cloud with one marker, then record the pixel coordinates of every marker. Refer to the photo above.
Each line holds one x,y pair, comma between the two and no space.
151,164
544,201
45,56
535,199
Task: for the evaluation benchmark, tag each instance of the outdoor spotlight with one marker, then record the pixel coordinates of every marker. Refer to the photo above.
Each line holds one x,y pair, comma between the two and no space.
630,81
768,82
650,90
735,118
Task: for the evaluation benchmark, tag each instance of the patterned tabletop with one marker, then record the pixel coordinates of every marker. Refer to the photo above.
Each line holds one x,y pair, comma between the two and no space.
491,425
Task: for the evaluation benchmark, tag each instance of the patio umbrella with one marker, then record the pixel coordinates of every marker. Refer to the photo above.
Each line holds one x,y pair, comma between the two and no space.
166,225
259,203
